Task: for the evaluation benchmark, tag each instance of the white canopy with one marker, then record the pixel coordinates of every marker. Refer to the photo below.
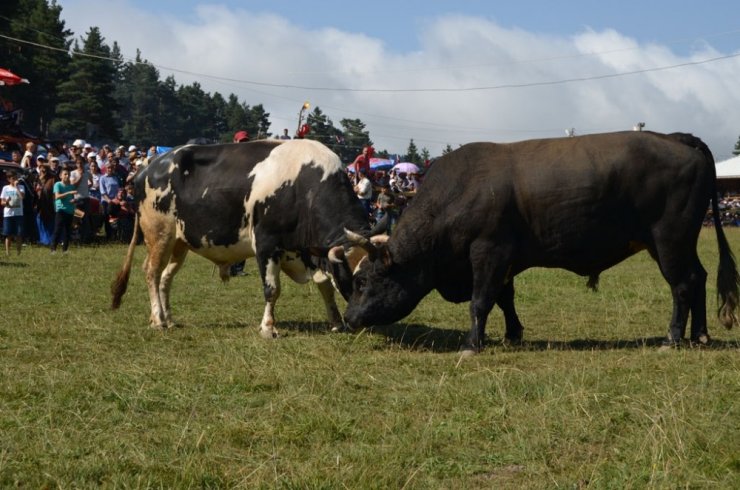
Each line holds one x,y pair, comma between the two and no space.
728,169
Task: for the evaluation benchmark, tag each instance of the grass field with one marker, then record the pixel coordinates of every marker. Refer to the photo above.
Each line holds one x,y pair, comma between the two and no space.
90,397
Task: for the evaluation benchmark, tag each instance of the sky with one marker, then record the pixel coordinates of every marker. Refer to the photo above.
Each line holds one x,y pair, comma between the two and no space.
449,72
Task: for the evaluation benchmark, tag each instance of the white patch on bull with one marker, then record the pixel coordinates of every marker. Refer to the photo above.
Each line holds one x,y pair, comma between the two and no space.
293,266
282,167
154,194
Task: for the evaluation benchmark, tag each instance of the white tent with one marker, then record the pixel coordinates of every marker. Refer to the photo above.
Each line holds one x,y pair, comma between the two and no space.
728,169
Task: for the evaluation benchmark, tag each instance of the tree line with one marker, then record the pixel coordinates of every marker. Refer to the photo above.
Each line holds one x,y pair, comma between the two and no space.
84,88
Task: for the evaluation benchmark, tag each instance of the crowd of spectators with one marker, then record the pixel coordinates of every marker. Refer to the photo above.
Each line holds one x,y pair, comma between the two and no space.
383,193
729,210
96,201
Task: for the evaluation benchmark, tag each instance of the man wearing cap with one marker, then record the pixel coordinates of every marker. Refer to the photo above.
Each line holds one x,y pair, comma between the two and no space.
241,137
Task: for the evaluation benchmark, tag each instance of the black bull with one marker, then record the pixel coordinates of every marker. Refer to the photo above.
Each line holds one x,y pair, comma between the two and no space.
285,203
486,212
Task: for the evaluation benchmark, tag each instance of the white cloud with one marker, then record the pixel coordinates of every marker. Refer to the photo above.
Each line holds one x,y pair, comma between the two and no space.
455,52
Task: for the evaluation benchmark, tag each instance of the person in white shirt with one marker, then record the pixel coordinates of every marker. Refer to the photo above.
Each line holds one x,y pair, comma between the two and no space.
12,197
364,191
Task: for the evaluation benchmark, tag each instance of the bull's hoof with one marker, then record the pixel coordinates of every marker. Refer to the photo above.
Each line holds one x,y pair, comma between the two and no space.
669,344
341,328
467,353
702,341
512,342
158,326
268,333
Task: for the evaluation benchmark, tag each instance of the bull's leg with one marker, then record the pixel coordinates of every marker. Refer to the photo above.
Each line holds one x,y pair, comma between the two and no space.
179,252
159,252
490,264
699,331
514,328
326,288
687,279
270,271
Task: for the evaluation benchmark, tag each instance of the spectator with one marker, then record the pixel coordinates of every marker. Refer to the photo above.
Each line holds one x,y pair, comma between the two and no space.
45,203
364,191
54,167
285,135
80,178
12,196
109,186
94,181
16,157
64,207
123,160
362,161
28,157
121,216
241,137
412,183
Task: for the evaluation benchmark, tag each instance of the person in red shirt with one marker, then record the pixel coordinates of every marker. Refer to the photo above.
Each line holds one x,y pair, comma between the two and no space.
362,162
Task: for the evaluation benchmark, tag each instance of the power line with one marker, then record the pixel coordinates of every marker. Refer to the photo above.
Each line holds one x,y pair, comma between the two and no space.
406,90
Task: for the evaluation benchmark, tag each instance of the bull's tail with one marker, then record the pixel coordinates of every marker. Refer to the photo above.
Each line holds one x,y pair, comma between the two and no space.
120,283
728,280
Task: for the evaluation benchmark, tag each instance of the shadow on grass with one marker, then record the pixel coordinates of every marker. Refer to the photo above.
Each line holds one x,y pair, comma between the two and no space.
13,265
414,336
310,327
426,338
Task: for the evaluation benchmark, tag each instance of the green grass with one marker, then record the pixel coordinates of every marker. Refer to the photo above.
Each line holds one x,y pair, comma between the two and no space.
90,397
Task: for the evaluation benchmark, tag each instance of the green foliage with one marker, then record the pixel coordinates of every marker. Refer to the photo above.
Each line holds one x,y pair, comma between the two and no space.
736,150
39,22
91,397
412,154
86,104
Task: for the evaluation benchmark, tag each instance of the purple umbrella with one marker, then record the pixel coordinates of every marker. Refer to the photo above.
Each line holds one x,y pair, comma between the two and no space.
406,167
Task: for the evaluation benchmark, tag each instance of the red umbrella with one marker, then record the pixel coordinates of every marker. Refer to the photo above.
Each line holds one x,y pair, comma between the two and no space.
9,78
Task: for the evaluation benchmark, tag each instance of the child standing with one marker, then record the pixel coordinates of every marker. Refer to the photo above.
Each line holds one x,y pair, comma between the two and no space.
64,192
12,198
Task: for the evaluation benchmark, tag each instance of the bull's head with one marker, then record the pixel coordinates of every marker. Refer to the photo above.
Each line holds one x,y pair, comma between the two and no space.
383,291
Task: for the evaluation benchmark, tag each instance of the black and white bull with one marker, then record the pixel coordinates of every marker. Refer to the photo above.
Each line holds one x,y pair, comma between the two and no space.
487,212
284,202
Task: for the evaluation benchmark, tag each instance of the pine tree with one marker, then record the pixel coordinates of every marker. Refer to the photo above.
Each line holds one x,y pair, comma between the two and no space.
736,151
86,105
136,95
39,22
447,149
355,138
412,154
259,121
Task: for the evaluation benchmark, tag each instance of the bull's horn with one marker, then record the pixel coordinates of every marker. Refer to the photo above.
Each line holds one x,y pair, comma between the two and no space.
362,242
336,254
379,239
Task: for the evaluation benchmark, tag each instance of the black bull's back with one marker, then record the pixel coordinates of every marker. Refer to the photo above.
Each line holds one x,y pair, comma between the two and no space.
489,211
